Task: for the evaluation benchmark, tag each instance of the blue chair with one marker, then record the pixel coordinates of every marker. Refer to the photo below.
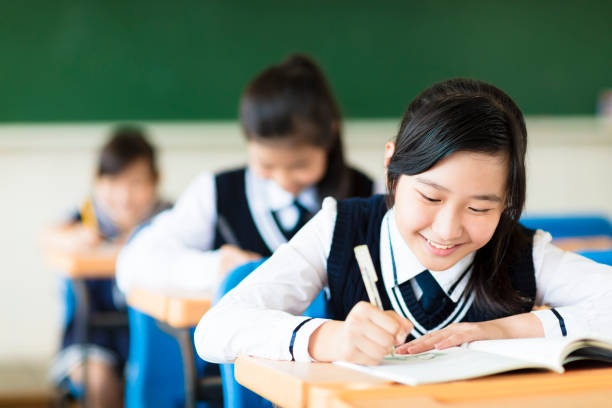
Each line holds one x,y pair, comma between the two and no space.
154,370
570,225
154,374
234,394
604,257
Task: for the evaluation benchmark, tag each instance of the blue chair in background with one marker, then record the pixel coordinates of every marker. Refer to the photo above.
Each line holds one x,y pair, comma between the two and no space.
154,371
155,376
604,257
570,225
575,226
234,394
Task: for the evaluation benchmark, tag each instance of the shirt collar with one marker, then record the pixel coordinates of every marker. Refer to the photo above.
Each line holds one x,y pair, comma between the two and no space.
278,199
408,266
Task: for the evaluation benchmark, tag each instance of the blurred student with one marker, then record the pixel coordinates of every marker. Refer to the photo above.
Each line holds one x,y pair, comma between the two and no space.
292,124
124,196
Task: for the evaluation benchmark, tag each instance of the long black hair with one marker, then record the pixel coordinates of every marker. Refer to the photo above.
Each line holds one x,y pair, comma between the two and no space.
470,115
293,101
126,144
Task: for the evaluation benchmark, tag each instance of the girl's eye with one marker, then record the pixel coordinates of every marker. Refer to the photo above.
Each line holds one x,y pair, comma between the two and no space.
476,210
433,200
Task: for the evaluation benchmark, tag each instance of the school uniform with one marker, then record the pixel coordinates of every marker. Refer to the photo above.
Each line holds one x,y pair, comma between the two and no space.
261,316
179,250
107,345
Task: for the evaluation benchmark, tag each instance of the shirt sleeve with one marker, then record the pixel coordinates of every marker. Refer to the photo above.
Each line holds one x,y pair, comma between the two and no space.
261,316
578,289
174,251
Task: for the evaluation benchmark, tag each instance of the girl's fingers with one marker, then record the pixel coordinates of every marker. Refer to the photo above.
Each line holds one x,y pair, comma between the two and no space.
374,351
424,343
379,336
405,326
384,320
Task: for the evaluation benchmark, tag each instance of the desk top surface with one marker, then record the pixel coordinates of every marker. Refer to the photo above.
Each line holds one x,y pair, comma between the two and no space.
291,384
177,310
85,263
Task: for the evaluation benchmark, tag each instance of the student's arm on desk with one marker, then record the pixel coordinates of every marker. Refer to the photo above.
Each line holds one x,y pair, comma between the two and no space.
578,289
173,252
260,315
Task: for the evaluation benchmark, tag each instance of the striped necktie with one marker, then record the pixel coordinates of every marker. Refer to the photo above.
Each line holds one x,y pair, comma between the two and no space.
303,216
433,295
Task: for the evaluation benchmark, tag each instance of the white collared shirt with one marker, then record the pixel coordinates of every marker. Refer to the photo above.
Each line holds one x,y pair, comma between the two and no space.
175,252
259,316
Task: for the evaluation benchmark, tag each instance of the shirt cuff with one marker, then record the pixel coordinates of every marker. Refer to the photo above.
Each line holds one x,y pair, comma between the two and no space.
302,338
552,324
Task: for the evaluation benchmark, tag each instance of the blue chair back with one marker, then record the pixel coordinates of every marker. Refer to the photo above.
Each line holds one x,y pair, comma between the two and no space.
154,374
570,225
234,394
604,257
154,370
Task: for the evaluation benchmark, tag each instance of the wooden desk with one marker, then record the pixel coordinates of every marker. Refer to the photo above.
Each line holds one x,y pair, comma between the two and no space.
295,384
176,314
595,243
291,384
178,310
80,266
90,263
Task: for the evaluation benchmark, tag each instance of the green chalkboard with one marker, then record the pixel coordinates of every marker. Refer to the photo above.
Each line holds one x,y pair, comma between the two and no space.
189,60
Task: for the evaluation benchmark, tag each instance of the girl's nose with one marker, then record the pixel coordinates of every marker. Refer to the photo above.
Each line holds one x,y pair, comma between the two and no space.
448,225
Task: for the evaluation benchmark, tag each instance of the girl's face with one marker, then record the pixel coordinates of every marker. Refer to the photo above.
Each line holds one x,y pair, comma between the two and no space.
292,167
452,209
129,196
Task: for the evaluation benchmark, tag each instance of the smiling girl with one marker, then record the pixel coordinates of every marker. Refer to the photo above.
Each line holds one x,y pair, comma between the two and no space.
453,263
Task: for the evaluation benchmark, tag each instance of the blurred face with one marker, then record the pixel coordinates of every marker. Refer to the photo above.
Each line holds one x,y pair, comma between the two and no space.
293,168
452,209
128,197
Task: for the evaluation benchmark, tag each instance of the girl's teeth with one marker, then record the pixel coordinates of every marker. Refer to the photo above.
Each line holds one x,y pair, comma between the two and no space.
433,244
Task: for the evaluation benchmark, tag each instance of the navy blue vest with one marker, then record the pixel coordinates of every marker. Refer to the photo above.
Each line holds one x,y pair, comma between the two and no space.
233,206
359,222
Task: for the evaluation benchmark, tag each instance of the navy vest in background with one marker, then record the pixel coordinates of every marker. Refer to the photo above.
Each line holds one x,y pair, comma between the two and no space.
359,222
232,205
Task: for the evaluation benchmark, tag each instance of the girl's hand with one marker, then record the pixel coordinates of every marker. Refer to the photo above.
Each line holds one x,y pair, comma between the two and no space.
365,337
453,335
511,327
232,257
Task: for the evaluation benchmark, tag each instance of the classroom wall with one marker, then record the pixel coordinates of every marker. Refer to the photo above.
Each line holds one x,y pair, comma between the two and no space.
75,60
44,169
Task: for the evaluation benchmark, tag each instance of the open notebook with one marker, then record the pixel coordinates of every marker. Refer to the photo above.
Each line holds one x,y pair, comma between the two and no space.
482,358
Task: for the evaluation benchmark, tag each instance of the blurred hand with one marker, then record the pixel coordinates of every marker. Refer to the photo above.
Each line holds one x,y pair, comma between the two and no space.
365,337
71,237
232,257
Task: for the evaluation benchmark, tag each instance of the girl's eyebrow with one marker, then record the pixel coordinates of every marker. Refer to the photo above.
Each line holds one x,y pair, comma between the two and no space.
483,197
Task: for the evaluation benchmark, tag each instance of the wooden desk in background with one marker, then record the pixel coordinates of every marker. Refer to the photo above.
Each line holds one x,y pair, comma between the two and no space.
595,243
178,311
87,263
305,385
176,314
79,266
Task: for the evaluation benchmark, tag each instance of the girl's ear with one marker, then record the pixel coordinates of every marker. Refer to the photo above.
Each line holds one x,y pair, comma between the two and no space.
389,150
